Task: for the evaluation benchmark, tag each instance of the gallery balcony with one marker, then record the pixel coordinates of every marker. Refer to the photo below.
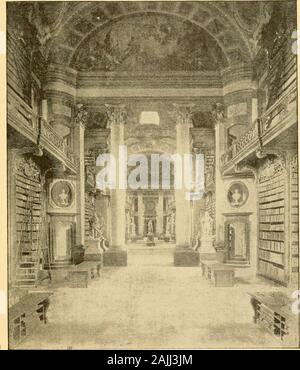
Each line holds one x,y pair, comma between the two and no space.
272,128
34,130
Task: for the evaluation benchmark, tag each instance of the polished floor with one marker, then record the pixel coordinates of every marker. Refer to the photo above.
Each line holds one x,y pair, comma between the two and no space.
152,304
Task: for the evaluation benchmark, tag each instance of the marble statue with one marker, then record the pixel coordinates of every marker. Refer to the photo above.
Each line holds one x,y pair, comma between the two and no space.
150,227
95,227
133,227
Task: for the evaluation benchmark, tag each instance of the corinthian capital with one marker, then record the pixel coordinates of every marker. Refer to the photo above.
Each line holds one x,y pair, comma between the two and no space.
116,114
182,113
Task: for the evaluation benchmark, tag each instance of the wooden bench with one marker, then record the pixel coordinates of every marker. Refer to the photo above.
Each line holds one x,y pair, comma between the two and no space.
80,275
219,274
26,315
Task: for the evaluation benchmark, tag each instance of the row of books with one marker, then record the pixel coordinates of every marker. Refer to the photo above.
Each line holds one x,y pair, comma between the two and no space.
270,270
33,219
274,218
21,211
27,180
27,193
270,245
267,193
271,257
27,183
272,211
271,227
272,198
278,203
271,235
271,185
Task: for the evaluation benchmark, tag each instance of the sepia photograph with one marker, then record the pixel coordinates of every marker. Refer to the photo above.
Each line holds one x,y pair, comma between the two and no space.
152,176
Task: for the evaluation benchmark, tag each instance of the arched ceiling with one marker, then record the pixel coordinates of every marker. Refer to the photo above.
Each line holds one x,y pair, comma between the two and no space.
149,42
97,18
70,26
231,30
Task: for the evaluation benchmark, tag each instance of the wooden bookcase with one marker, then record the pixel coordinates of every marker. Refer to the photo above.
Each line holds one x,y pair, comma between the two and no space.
294,220
278,247
272,215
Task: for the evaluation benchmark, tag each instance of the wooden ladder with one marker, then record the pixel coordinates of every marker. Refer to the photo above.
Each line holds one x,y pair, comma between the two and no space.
29,250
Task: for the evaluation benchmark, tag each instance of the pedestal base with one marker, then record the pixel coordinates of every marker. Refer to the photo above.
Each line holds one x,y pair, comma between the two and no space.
186,257
150,240
92,250
115,257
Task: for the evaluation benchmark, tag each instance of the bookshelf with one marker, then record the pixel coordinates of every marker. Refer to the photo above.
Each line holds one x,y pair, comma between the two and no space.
294,220
272,208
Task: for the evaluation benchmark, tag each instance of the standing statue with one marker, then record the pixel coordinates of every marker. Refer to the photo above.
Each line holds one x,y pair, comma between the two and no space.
133,227
150,235
95,227
150,227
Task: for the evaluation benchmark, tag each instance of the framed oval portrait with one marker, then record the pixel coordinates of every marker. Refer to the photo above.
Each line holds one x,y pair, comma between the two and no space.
62,194
237,194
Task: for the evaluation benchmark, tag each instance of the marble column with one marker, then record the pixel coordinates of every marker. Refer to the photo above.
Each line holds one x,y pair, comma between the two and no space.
116,255
160,214
204,143
80,120
220,132
184,255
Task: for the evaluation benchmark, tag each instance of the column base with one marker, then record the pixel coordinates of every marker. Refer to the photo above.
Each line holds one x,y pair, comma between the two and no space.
186,257
115,257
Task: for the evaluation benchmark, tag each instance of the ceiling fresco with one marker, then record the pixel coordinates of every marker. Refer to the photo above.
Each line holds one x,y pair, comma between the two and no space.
149,42
144,35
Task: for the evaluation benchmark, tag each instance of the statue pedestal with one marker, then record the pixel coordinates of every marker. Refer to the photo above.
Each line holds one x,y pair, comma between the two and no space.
93,251
207,251
115,256
185,257
150,240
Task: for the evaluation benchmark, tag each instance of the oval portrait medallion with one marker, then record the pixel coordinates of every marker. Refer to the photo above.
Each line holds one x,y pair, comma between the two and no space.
61,194
237,194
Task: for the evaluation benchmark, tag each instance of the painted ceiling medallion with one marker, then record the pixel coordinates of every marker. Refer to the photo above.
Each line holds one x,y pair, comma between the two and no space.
149,43
237,194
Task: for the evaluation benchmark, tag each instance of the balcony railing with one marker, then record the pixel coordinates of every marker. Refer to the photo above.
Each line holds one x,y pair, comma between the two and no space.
38,130
272,121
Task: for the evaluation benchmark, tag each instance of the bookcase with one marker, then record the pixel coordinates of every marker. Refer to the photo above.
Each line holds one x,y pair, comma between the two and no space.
294,220
278,247
29,214
272,214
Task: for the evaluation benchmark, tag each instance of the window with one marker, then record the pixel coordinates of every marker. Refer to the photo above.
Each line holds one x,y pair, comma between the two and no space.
149,118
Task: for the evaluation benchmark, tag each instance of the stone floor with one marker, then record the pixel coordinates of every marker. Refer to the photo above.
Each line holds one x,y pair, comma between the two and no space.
152,304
